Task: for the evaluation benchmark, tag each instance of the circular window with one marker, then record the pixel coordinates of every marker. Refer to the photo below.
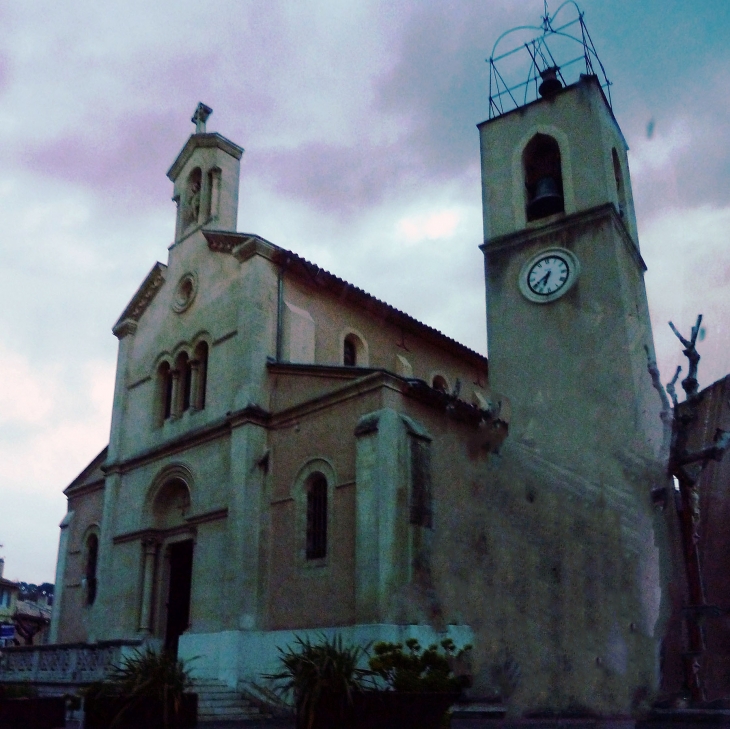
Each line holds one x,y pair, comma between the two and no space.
185,292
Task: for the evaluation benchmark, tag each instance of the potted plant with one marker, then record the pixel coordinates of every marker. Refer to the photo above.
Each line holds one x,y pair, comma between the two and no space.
403,687
420,685
323,679
147,689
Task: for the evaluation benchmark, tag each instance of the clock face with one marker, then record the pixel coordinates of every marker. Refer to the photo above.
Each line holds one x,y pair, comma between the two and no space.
548,275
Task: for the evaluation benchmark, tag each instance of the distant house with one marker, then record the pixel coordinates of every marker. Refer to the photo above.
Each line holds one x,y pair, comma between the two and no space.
23,620
8,601
32,621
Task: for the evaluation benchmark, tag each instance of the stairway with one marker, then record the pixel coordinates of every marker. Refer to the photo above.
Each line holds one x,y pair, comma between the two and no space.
219,702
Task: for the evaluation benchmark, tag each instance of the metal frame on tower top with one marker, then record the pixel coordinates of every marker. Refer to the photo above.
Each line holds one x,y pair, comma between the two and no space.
548,50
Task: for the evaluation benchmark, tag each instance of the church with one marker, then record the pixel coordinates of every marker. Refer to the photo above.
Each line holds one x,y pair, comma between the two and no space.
289,454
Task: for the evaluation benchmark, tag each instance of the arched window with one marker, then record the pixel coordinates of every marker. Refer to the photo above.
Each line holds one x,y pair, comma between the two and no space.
191,211
439,383
213,196
543,177
349,352
317,517
354,351
164,392
92,557
200,374
619,178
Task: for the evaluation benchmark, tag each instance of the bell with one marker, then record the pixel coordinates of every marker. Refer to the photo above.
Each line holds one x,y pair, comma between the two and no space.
547,199
550,82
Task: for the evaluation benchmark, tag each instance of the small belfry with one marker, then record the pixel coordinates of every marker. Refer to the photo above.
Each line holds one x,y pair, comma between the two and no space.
205,175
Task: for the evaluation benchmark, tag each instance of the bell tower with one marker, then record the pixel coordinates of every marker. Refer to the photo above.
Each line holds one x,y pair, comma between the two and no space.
567,315
205,175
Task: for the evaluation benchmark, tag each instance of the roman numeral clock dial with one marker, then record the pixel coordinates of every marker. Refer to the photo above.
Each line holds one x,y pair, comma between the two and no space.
548,275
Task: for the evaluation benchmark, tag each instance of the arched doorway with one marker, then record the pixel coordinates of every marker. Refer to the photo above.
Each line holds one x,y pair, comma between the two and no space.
170,506
180,579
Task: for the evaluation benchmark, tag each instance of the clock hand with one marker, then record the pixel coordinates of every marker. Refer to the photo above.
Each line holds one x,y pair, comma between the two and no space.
543,281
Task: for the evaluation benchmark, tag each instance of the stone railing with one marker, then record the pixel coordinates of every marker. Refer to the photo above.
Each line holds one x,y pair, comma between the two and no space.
78,663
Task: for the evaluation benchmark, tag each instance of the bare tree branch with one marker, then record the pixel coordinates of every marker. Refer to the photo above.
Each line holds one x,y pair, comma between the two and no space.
690,384
671,389
656,380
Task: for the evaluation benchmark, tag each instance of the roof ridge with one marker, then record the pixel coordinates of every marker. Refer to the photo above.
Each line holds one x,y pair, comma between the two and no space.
216,242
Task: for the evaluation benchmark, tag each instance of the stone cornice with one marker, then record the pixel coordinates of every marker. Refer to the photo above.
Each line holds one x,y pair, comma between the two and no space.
191,522
220,427
127,322
85,488
367,381
91,476
606,211
209,140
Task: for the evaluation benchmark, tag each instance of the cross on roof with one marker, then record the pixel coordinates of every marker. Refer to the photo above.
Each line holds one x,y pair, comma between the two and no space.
202,112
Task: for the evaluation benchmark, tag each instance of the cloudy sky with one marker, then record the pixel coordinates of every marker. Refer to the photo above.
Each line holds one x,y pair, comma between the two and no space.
358,120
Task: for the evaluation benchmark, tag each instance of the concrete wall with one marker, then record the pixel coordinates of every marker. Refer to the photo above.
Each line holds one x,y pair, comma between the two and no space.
239,657
71,600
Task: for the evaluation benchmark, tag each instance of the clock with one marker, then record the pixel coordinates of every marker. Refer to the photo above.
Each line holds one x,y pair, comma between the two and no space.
548,275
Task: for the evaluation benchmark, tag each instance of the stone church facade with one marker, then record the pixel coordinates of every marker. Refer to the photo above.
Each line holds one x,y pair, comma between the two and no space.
289,454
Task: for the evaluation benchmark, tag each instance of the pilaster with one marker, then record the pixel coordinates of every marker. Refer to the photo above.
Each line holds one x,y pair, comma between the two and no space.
245,514
382,525
60,577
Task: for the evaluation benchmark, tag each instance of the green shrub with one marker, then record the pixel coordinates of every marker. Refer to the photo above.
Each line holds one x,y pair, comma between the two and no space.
414,670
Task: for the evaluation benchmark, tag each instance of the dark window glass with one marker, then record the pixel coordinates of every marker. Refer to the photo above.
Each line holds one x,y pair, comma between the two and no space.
421,498
317,518
349,355
201,353
92,555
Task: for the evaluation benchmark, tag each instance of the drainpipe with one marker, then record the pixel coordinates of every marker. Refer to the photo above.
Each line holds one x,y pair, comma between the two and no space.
280,310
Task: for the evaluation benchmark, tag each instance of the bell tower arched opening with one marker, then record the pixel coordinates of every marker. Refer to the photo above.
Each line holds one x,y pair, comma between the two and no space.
543,178
191,211
620,186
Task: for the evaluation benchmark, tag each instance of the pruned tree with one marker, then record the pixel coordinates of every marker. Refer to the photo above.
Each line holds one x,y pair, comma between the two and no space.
685,466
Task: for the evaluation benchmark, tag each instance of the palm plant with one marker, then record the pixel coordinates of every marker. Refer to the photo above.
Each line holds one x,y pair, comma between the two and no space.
322,677
147,677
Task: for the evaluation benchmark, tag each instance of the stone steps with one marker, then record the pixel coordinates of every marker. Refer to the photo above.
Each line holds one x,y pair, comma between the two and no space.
216,702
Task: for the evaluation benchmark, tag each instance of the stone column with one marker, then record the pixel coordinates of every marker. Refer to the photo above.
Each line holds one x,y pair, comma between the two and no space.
195,371
247,509
149,549
215,192
176,399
